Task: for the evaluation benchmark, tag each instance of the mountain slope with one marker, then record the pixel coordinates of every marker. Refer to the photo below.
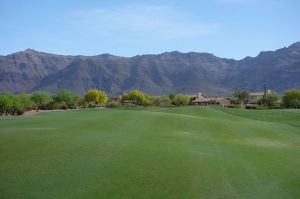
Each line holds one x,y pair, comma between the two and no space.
21,71
165,73
279,69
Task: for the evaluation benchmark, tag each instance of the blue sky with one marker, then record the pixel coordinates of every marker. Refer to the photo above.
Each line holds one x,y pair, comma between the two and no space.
226,28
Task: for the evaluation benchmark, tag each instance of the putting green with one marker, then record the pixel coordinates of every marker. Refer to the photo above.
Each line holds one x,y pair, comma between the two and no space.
189,152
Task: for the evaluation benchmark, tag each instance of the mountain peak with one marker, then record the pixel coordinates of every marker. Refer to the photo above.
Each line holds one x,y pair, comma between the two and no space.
29,50
295,45
170,72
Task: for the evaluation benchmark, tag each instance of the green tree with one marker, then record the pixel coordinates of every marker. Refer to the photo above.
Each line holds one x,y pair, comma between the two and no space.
241,96
271,100
181,99
163,101
171,97
149,101
10,104
91,96
96,96
124,97
102,97
114,104
26,101
82,103
5,104
39,98
66,97
291,98
137,97
17,107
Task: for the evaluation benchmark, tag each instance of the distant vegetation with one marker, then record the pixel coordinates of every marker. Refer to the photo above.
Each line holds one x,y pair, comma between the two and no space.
95,97
17,104
291,99
270,100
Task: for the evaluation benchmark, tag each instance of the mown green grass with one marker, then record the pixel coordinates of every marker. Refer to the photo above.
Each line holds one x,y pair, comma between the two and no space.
189,152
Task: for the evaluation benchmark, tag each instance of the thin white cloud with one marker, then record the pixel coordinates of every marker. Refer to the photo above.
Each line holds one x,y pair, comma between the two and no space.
151,20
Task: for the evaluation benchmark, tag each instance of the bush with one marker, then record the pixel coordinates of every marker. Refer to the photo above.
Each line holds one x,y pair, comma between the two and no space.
181,100
241,96
149,101
137,97
52,105
26,101
17,107
171,97
163,101
20,111
66,99
114,104
82,103
291,99
270,101
10,104
92,105
5,104
96,97
40,99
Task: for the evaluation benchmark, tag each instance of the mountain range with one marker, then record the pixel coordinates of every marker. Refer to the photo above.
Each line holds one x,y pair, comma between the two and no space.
166,73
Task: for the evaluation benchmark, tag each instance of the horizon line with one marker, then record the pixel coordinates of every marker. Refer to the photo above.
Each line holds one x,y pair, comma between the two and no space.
146,54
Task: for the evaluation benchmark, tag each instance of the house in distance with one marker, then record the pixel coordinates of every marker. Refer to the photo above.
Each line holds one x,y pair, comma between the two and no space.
203,100
254,97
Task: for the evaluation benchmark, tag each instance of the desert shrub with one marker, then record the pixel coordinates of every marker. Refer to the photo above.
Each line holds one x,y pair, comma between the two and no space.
26,101
137,97
163,101
96,97
40,99
149,101
181,99
270,101
114,104
291,99
66,100
11,105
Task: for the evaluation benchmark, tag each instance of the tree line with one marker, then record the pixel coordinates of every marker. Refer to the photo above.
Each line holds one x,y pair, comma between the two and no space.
290,99
17,104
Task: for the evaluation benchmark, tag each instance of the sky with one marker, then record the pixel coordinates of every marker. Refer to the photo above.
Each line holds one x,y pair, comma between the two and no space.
226,28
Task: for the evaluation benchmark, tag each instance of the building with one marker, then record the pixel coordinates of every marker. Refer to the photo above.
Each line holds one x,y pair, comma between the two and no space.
203,100
254,97
198,96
